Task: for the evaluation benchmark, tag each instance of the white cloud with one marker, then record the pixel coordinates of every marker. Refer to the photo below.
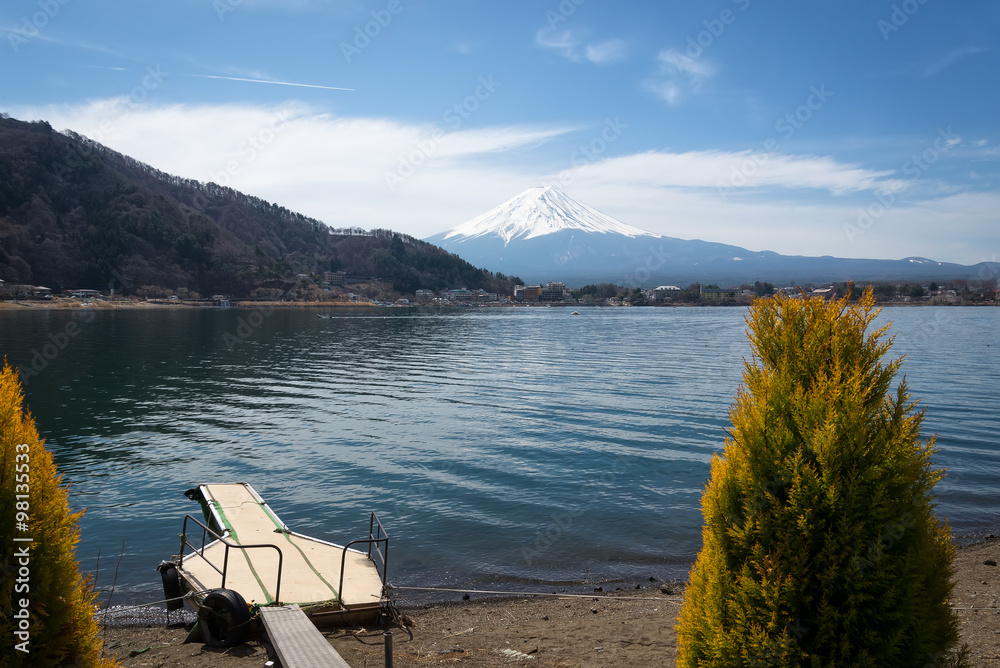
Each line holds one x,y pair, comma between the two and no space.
668,91
717,170
796,205
679,75
955,229
573,46
606,52
565,42
334,168
465,47
947,60
15,36
673,62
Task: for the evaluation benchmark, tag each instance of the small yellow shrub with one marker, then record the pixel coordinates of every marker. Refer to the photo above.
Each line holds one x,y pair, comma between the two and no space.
46,606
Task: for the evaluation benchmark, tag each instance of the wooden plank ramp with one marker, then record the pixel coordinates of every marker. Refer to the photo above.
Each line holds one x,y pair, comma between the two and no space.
296,641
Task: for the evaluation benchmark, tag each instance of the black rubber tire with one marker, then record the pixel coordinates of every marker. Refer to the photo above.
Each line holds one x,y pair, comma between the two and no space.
224,619
171,586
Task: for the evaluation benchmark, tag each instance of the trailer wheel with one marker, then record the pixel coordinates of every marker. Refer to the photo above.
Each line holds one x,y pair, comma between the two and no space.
171,585
224,619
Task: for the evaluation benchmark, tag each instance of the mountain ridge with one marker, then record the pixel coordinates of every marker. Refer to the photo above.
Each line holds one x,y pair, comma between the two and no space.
77,214
565,248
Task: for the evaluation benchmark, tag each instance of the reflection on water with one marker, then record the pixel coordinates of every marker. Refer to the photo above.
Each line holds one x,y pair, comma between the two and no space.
494,444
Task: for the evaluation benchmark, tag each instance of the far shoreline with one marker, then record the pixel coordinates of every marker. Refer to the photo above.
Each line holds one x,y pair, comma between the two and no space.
237,304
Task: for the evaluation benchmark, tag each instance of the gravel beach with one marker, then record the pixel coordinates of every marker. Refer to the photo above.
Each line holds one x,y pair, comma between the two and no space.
617,626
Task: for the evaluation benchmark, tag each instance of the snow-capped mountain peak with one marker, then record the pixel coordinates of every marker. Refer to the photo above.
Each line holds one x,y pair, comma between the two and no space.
544,235
540,211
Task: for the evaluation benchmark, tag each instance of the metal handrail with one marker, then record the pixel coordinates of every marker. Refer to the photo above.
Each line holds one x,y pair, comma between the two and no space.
225,560
378,537
374,538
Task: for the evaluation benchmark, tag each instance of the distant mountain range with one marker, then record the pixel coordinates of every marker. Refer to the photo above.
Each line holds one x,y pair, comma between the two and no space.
543,234
75,214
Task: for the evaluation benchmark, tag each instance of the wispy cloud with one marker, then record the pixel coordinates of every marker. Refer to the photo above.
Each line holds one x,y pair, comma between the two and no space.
266,81
574,47
465,47
947,60
608,51
708,169
679,75
342,7
47,37
333,168
327,166
105,67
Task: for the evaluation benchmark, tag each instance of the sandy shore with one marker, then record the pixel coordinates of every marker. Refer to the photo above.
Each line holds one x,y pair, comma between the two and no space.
622,627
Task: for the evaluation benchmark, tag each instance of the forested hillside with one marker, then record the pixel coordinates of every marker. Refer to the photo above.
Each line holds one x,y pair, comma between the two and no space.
75,214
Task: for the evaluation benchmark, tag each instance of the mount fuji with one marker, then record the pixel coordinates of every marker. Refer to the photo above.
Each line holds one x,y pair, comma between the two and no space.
543,234
538,212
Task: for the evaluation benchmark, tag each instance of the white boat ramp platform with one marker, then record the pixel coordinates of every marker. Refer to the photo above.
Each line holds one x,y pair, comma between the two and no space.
243,546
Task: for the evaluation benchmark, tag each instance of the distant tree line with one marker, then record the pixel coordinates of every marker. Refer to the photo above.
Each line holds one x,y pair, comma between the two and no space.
955,291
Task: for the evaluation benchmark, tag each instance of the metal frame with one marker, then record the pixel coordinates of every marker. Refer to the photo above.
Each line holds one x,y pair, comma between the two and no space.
376,535
378,539
225,561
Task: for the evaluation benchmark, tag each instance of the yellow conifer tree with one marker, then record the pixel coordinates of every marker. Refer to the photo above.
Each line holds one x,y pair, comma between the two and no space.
46,606
821,546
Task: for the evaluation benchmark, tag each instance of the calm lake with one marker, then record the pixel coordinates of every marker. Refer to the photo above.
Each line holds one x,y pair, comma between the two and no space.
499,447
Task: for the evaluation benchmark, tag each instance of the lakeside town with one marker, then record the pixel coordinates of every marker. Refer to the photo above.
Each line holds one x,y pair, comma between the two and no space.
337,288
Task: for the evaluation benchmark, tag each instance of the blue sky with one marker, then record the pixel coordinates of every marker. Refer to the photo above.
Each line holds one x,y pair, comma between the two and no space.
848,128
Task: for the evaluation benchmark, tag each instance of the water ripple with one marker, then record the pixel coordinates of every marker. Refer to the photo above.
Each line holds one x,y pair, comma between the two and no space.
512,444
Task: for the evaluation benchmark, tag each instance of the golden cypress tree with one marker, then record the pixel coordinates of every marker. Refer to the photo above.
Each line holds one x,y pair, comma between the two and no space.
46,606
820,544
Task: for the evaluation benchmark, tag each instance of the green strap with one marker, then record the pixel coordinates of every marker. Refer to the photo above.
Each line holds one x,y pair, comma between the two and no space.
236,539
283,532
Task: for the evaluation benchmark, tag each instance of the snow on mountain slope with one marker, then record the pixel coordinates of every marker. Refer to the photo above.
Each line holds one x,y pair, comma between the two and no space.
537,212
543,234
